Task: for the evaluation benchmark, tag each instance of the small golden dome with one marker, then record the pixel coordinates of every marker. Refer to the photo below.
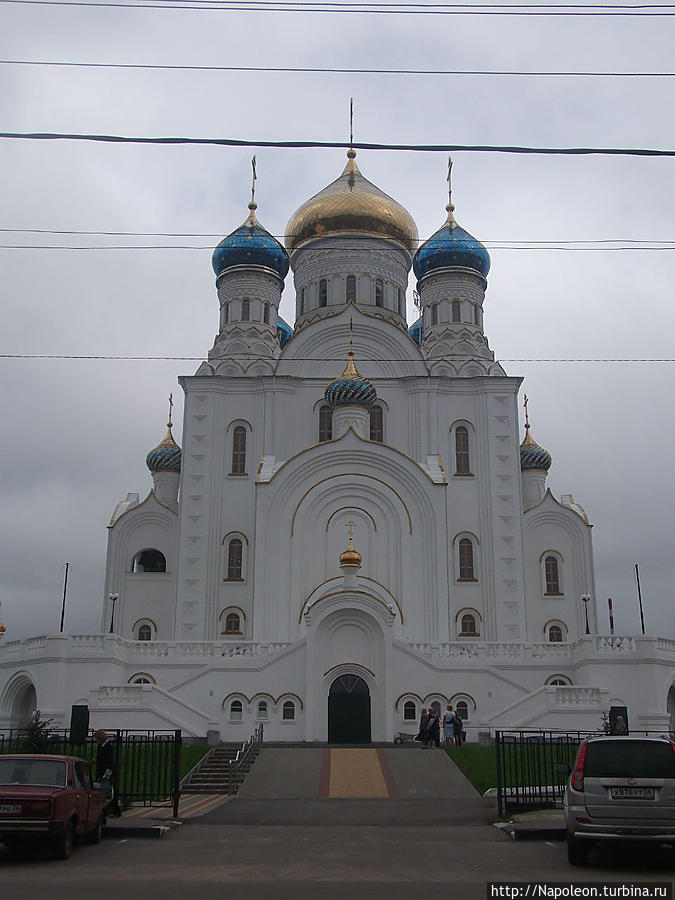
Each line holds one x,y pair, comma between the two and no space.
3,630
351,203
350,558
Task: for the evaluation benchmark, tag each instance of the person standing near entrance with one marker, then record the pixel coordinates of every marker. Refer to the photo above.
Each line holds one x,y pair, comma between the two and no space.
448,725
422,733
105,767
433,730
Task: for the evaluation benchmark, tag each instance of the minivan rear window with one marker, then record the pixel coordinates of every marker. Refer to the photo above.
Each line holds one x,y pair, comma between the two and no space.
625,759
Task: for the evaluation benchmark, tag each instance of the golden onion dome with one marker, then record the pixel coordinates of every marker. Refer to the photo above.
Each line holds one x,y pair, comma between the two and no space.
3,630
351,203
350,558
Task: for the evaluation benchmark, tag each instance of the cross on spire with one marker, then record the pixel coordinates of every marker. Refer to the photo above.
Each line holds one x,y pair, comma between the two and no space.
351,123
350,526
450,208
527,419
253,204
170,409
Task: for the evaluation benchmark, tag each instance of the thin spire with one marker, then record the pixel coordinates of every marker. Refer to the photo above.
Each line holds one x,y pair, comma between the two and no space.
253,204
528,437
450,208
168,438
170,409
350,368
351,123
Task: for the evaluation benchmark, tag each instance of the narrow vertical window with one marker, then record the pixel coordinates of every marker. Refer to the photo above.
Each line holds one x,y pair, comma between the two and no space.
434,314
376,424
379,292
234,560
236,711
456,315
266,314
350,289
226,313
144,632
462,451
552,575
323,292
555,634
232,621
468,625
399,296
288,711
465,560
476,316
325,424
239,451
409,711
302,302
245,309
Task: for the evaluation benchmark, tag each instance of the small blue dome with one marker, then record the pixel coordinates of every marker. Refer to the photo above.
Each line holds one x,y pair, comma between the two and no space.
532,456
284,332
451,247
165,457
415,330
250,245
350,388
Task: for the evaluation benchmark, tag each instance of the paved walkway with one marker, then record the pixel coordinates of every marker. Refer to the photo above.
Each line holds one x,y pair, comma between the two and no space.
308,773
191,805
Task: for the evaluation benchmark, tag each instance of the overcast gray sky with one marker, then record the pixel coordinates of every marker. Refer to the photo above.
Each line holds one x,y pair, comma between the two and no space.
75,432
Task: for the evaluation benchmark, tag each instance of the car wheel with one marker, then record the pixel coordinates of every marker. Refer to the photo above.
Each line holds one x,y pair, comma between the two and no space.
94,836
63,845
577,851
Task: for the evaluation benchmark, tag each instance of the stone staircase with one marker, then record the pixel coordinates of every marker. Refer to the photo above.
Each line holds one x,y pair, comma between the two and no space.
213,775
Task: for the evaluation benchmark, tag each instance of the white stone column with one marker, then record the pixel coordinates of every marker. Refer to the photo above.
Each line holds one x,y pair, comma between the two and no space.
354,416
166,487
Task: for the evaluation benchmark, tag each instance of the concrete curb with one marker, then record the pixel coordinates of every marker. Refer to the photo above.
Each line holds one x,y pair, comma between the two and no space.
118,828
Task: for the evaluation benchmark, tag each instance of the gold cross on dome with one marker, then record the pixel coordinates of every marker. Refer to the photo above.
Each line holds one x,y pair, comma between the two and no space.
170,408
350,525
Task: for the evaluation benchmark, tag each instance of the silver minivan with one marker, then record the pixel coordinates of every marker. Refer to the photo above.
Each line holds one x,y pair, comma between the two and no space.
621,788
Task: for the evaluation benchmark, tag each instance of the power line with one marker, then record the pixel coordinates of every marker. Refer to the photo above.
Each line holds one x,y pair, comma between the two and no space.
534,10
333,145
210,247
315,358
315,70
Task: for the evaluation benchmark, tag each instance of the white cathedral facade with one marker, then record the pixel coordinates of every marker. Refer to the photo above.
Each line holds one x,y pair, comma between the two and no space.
353,529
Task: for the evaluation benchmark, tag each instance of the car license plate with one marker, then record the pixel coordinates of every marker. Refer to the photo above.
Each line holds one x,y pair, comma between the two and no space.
632,793
10,809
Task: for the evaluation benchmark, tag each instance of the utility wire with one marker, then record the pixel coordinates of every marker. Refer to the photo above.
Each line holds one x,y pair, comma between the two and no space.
315,70
317,358
357,145
327,249
540,10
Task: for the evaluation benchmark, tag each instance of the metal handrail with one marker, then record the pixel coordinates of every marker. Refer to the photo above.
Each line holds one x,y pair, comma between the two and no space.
247,752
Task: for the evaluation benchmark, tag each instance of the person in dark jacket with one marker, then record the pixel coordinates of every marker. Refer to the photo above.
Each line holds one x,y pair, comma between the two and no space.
105,767
422,733
433,730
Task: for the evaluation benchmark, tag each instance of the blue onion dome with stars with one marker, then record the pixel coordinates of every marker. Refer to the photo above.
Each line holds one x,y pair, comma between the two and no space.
250,246
165,457
415,330
451,247
532,456
284,332
350,388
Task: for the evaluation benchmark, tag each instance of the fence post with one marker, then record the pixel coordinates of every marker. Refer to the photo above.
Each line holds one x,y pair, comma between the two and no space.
177,742
500,786
116,770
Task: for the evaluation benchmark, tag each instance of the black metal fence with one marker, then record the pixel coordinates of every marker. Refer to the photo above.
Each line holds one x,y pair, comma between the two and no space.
526,767
147,763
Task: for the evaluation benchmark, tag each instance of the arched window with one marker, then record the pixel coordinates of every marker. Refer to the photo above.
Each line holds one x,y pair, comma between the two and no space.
350,289
245,309
559,680
476,316
436,706
239,450
555,634
468,624
236,711
409,710
232,620
376,424
379,292
456,313
323,292
325,423
462,466
262,709
144,632
142,678
266,314
466,572
288,711
234,560
462,710
226,313
149,561
552,575
434,314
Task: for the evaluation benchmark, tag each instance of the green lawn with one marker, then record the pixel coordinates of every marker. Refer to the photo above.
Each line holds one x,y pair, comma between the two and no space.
479,764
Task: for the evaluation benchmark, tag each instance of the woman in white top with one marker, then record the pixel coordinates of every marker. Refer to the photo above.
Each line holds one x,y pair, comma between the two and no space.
448,732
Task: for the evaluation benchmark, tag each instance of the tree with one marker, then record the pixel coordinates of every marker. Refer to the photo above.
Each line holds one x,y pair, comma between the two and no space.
37,735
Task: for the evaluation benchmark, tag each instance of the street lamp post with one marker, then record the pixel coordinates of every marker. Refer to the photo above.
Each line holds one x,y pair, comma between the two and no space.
112,598
586,599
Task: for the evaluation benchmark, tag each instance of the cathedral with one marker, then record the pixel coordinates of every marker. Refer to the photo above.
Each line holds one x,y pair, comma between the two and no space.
353,527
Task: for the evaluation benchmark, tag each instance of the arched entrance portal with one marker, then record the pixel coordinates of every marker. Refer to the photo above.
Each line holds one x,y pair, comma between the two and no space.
349,711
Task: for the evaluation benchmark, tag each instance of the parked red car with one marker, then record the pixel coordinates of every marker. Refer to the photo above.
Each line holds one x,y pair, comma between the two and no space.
49,797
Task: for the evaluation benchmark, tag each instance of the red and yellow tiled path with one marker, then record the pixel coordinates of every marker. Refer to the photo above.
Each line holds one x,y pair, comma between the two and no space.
356,773
191,805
